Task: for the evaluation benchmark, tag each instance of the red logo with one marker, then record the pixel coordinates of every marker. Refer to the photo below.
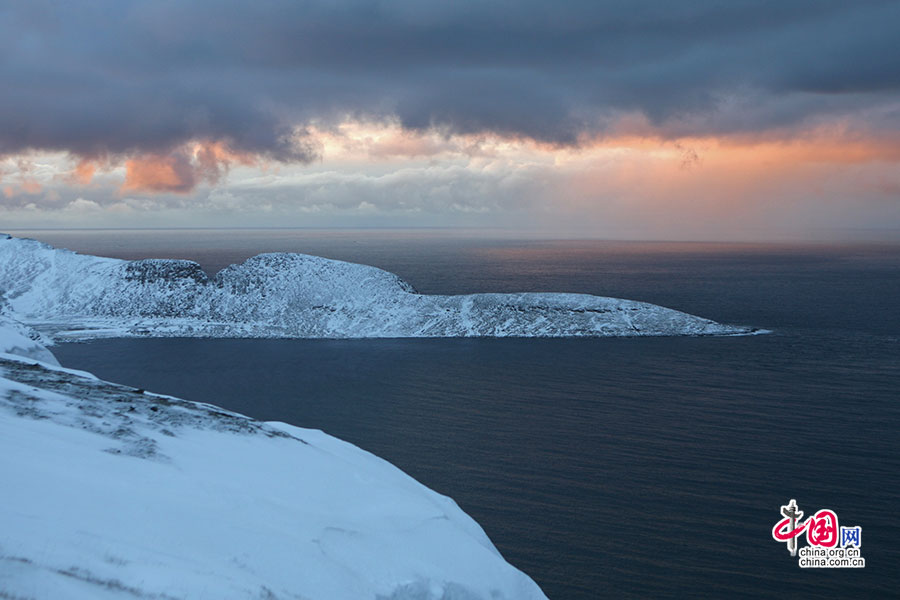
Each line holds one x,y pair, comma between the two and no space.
821,528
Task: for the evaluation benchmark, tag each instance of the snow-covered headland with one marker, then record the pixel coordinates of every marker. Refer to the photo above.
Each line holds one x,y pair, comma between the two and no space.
67,295
111,492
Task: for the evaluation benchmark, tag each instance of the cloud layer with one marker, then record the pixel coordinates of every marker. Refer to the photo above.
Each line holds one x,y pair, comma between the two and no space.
647,118
821,187
120,77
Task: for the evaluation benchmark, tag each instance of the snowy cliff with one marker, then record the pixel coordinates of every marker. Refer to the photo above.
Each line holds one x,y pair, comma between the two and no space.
110,492
65,294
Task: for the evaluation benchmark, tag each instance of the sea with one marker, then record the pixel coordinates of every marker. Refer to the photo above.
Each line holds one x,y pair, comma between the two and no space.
620,468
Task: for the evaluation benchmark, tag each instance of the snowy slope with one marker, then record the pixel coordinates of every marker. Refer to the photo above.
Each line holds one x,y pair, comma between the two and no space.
17,339
111,492
65,294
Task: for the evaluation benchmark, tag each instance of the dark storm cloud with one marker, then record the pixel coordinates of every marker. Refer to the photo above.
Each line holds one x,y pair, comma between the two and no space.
114,76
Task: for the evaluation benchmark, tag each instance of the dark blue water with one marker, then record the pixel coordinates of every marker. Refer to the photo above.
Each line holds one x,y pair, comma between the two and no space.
607,467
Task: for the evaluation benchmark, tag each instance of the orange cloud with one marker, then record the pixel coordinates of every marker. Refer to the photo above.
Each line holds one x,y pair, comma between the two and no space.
159,173
83,172
183,169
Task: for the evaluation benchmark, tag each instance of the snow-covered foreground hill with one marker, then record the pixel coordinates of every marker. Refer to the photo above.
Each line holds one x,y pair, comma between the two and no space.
65,294
111,492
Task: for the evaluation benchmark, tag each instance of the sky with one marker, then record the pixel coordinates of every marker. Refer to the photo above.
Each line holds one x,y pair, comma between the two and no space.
638,119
